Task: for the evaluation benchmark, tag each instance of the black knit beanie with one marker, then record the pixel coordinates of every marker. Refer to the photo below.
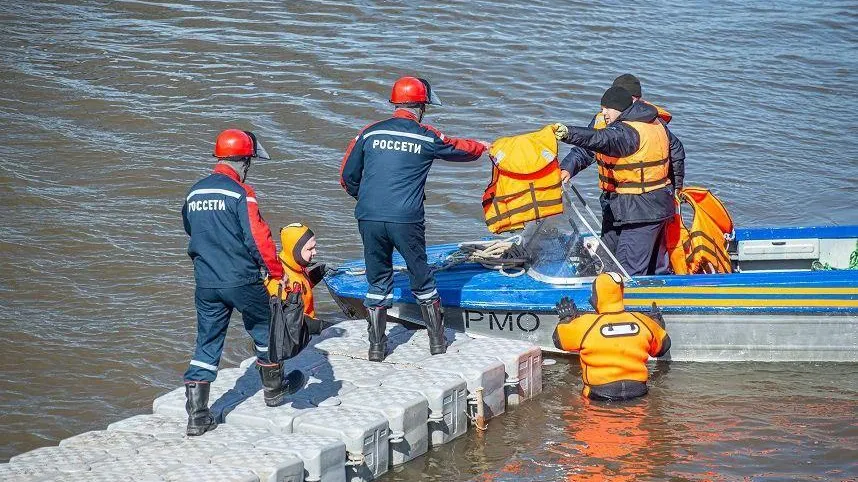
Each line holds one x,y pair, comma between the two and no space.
617,98
630,83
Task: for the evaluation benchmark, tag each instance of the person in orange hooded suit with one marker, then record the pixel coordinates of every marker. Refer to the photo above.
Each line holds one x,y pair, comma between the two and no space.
298,248
613,344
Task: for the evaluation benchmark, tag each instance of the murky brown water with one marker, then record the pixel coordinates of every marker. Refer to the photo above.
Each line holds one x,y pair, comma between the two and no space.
108,111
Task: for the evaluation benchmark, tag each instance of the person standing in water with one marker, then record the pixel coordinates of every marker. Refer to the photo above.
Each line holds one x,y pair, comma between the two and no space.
613,344
298,248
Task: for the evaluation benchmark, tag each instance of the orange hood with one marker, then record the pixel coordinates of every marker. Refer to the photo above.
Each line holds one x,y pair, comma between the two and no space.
607,294
293,238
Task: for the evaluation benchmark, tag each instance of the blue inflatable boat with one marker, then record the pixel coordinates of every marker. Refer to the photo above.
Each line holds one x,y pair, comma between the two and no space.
793,295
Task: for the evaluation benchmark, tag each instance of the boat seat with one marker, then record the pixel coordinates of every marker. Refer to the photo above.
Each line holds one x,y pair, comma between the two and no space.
771,249
776,254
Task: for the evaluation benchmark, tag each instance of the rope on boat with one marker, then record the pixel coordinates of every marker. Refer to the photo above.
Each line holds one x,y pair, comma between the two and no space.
507,256
503,255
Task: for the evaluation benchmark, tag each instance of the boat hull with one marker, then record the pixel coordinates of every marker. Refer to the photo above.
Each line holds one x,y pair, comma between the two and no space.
699,337
762,314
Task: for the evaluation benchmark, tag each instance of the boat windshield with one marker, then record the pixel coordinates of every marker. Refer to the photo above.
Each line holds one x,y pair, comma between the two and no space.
563,251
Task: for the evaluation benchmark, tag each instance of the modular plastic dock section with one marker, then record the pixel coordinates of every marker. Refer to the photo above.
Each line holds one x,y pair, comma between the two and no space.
353,420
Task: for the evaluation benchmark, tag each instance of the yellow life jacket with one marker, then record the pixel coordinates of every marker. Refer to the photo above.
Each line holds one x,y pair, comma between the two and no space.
703,247
600,122
662,113
645,170
525,181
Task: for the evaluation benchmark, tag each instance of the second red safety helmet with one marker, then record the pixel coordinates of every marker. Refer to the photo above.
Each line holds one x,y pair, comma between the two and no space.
412,90
235,144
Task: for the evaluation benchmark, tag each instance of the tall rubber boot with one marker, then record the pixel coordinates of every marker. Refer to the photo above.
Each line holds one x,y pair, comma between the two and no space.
200,418
274,387
434,320
376,320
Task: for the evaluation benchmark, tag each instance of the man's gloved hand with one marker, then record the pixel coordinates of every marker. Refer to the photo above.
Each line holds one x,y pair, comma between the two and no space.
655,314
566,310
315,273
273,285
561,132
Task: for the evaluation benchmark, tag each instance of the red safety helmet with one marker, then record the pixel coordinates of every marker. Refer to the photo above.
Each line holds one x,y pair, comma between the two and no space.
234,145
411,90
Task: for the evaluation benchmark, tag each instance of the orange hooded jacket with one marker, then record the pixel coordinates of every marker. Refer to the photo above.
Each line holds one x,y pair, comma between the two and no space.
613,344
293,238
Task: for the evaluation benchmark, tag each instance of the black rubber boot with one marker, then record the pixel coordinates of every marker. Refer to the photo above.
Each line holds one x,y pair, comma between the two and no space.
434,320
200,419
274,387
376,322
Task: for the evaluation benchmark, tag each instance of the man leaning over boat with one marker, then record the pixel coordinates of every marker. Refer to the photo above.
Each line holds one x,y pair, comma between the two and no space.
633,154
385,169
677,151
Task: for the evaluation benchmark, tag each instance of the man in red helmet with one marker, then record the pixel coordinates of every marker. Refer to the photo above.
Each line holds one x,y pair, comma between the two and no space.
229,244
385,169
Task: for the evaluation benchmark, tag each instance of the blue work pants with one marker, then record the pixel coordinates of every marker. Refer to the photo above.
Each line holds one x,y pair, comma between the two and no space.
379,240
214,308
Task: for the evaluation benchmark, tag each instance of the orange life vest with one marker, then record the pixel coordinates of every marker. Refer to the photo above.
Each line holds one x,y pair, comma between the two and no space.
662,114
643,171
703,247
525,181
613,344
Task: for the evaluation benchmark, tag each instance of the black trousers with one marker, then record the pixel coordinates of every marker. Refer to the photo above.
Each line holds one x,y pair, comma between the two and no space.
640,248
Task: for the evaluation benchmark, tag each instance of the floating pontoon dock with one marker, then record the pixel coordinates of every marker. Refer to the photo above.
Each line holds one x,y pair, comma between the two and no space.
353,420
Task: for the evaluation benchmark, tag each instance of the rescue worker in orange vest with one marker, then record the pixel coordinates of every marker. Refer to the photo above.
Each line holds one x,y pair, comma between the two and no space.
298,248
633,156
677,151
613,344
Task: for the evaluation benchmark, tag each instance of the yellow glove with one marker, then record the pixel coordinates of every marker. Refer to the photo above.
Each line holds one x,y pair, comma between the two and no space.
561,132
272,285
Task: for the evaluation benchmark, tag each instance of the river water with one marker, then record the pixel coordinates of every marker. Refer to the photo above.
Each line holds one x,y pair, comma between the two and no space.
108,111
